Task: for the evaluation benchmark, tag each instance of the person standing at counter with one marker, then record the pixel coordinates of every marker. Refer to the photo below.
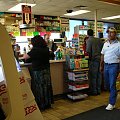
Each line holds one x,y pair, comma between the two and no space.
50,44
93,48
42,87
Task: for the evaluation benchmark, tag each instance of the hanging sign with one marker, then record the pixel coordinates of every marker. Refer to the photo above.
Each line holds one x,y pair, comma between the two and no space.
26,14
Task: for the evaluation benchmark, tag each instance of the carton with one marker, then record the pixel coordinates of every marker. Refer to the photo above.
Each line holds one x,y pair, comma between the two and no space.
27,94
31,110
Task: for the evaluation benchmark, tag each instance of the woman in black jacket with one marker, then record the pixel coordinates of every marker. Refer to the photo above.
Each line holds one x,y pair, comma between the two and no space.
41,84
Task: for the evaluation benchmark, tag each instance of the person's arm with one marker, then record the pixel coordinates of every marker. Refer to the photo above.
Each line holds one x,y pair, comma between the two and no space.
102,58
26,56
102,63
89,48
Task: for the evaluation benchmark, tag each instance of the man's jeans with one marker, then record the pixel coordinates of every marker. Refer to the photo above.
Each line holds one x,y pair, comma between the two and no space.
110,76
95,77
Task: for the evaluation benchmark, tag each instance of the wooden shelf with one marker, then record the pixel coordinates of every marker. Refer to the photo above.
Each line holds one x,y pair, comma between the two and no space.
48,26
79,70
49,20
26,27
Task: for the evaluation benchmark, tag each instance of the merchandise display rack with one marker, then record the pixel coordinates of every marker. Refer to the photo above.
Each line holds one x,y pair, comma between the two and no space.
77,83
77,67
47,23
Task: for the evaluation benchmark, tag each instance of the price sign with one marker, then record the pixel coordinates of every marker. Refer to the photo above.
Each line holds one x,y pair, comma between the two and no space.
26,14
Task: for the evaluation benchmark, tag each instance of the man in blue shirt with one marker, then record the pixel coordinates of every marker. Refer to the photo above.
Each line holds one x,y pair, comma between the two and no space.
110,60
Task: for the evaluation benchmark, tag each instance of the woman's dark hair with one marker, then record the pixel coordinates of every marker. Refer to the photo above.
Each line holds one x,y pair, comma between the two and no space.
90,32
38,41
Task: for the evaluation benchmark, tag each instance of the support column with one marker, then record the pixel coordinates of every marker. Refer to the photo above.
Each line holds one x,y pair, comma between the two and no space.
96,33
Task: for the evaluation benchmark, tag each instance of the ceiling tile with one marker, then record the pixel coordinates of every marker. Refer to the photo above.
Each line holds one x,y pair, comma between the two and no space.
59,7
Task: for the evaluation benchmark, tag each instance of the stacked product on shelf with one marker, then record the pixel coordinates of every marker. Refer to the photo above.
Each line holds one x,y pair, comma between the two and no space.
79,43
65,24
100,25
75,42
76,63
82,43
77,81
77,96
47,23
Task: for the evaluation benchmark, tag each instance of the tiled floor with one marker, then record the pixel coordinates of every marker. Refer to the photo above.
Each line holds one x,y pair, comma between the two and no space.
65,108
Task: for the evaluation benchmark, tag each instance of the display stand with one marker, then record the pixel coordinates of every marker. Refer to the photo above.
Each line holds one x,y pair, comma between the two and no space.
11,90
77,81
77,68
77,77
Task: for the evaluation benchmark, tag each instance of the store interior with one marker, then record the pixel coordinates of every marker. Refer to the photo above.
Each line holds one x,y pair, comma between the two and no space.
68,33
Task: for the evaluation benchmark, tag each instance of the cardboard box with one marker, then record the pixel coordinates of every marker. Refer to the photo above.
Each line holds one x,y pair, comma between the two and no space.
27,94
32,111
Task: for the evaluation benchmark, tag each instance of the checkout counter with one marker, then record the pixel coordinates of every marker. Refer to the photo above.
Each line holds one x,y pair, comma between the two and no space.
57,75
56,69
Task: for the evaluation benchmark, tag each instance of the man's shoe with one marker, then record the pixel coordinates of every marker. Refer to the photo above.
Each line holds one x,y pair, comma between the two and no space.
110,107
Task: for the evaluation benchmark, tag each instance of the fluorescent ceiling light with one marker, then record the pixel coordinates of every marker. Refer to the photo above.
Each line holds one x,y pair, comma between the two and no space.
18,7
77,12
111,2
112,17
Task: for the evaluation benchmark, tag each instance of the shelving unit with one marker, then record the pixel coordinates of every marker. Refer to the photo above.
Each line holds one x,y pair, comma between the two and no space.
77,76
65,24
47,23
100,25
77,64
77,81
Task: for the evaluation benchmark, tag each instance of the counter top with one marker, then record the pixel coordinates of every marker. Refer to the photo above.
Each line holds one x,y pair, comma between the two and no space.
25,64
57,61
51,61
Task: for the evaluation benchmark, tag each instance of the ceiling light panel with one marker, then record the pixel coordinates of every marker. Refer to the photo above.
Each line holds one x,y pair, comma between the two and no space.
77,13
113,2
112,17
18,7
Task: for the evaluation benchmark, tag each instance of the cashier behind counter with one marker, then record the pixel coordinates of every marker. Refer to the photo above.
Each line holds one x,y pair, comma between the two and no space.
51,45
